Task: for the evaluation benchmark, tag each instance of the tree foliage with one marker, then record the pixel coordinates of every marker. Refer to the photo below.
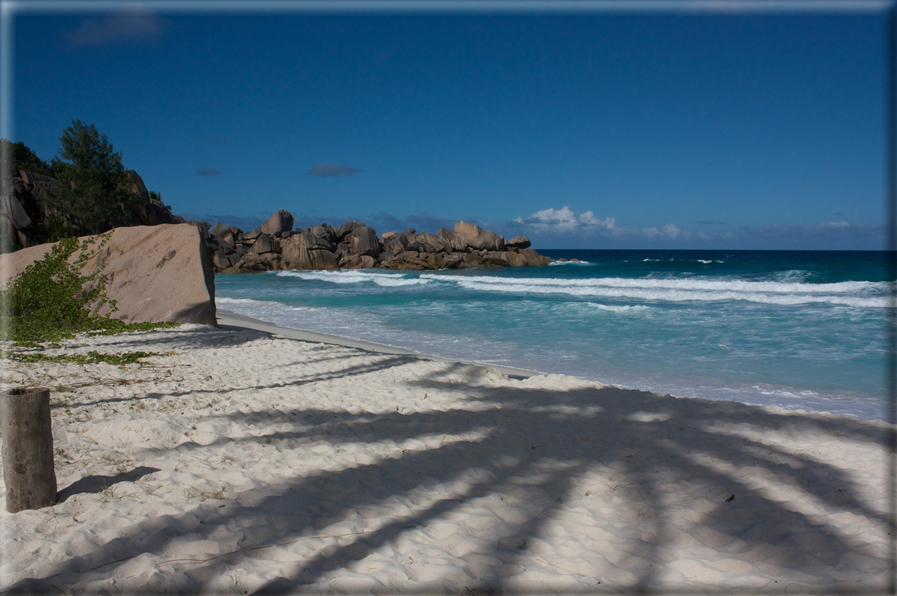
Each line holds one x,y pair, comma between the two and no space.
92,183
94,193
18,156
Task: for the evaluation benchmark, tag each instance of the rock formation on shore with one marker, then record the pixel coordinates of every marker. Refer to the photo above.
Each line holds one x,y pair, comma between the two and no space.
354,245
155,273
21,211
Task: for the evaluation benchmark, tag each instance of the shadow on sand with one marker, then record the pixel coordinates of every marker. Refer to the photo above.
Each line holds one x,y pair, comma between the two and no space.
536,446
99,483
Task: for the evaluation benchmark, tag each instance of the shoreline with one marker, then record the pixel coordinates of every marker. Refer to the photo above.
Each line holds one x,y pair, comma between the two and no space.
228,319
818,404
242,460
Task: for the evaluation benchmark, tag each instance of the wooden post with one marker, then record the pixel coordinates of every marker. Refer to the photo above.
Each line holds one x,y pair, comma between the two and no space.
27,449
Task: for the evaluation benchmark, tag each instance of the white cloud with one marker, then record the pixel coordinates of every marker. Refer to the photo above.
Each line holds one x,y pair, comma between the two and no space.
672,230
588,218
565,227
131,26
608,223
566,220
558,219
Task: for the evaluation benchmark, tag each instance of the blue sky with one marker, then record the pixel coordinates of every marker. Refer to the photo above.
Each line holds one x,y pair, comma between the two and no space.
605,127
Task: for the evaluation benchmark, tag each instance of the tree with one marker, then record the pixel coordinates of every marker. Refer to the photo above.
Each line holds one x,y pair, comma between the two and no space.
92,183
18,156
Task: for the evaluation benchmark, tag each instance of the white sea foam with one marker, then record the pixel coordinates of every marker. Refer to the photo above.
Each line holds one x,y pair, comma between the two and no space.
621,308
558,263
231,301
860,294
355,277
259,307
222,301
792,276
786,290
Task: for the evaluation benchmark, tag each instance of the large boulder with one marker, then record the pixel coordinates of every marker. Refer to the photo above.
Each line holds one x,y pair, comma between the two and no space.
219,230
137,186
155,273
340,232
358,262
310,241
250,263
454,241
395,244
251,235
322,231
144,211
222,260
277,224
518,242
434,260
497,259
452,260
322,259
226,241
430,244
12,209
477,238
264,244
295,256
363,240
514,259
289,251
471,259
534,259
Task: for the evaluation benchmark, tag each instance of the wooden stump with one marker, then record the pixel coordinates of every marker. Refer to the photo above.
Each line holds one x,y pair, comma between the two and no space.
27,449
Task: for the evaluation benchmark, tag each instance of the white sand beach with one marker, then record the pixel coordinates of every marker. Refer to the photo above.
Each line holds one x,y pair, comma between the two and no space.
242,462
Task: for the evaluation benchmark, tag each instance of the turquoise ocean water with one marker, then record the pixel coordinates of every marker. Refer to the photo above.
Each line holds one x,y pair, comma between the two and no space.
797,329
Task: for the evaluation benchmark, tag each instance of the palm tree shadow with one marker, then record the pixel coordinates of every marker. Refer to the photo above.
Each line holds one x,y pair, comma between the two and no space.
533,448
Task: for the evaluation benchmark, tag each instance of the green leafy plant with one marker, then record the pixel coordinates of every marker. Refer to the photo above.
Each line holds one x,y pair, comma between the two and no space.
115,326
51,300
54,227
92,357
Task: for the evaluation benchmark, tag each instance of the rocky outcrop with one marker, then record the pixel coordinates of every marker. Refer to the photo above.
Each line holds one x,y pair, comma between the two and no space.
155,273
354,245
19,209
21,214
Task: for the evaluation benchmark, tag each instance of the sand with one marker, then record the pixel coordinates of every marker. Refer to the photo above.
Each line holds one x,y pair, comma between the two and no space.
242,461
